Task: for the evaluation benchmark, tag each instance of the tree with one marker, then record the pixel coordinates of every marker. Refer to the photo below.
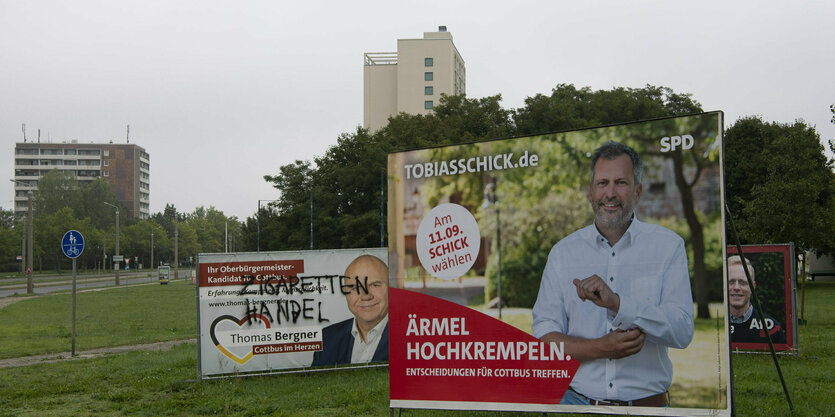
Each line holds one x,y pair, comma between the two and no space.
57,190
775,198
136,242
455,120
93,196
571,108
166,218
348,181
188,245
289,231
345,186
347,190
61,189
10,235
8,220
211,226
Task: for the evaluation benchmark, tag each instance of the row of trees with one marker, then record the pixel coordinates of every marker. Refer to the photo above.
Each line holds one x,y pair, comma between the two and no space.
343,190
62,203
779,185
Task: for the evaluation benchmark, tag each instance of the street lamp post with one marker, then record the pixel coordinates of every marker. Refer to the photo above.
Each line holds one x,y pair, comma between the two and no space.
117,239
22,245
491,197
29,253
176,248
311,217
30,284
152,249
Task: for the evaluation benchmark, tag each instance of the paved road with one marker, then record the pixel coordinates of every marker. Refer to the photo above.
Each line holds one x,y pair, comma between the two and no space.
44,285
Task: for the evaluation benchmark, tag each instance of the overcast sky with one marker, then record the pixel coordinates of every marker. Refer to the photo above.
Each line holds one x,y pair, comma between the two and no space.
221,93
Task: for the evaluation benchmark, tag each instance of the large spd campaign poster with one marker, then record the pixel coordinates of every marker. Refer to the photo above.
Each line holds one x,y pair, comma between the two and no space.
478,288
271,311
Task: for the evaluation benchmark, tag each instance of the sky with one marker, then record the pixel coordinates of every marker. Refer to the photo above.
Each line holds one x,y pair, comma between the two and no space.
221,93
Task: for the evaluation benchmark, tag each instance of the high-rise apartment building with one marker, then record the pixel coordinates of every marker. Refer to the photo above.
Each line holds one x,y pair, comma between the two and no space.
126,167
412,79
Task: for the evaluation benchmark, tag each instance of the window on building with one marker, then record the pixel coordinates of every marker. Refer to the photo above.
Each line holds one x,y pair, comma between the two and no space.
106,173
657,187
428,62
428,90
428,104
428,76
106,163
106,152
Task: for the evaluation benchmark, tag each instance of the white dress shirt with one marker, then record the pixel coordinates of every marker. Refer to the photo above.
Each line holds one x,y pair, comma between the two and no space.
363,352
647,268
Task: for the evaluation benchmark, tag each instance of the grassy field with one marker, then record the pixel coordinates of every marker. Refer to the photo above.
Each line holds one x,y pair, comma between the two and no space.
162,383
120,316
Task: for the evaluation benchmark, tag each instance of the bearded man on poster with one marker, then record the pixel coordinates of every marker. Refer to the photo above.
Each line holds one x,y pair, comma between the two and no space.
617,293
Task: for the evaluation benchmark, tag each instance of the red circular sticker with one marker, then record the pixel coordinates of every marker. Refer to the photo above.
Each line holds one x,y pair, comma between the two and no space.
448,241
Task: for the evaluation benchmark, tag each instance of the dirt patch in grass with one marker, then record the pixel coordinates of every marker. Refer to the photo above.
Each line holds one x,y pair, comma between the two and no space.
92,353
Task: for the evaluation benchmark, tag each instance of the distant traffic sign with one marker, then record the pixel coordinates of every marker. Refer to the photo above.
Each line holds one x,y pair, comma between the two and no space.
72,244
118,258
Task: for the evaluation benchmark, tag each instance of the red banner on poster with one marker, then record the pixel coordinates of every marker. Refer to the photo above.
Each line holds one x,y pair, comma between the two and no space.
242,273
442,351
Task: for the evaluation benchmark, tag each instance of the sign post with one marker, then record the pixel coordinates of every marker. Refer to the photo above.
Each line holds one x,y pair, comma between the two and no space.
72,245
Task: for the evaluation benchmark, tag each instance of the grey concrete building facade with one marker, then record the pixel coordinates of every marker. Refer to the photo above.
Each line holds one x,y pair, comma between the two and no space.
126,167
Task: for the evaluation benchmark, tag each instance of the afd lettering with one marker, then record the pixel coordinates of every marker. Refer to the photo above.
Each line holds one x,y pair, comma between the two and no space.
672,142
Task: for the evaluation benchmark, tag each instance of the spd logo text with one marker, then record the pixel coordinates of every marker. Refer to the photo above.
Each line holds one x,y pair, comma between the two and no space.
670,143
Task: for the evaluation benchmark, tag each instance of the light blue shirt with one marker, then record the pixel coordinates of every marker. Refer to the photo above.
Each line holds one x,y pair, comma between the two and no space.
647,268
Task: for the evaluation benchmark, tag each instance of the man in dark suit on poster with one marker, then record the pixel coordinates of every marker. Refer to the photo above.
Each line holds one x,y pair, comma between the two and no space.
364,337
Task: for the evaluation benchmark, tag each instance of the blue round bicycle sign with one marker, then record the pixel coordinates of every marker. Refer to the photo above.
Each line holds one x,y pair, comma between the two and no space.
72,244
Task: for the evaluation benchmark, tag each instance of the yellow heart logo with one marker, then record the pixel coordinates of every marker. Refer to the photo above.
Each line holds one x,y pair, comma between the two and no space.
246,319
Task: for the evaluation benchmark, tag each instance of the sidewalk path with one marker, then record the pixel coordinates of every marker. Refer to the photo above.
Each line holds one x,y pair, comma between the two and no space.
66,356
7,301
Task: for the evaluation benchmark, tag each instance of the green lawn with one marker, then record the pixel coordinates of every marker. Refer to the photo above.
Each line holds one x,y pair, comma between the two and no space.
113,317
162,383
